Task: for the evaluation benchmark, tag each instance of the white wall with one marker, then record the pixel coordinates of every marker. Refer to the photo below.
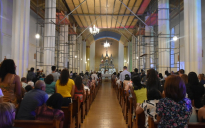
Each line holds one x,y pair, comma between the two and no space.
120,57
6,10
92,57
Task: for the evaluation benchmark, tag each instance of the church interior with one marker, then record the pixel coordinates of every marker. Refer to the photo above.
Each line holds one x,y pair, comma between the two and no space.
100,58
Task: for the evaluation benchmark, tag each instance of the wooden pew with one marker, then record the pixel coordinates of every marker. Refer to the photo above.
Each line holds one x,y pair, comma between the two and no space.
126,106
87,106
69,117
36,124
130,111
77,111
83,108
153,124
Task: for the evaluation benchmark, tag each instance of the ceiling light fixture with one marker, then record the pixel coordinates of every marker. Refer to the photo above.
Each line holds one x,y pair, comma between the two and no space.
175,38
37,36
106,45
94,30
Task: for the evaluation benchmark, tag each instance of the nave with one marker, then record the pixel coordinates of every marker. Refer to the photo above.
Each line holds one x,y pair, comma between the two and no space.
105,111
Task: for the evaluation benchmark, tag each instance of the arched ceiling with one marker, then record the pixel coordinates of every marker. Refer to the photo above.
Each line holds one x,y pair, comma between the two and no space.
107,34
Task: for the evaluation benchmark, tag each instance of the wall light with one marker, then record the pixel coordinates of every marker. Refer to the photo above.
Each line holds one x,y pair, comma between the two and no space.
175,38
81,59
75,56
125,61
88,59
86,62
37,36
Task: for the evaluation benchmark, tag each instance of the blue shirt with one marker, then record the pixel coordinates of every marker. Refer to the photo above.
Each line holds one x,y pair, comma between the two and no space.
122,75
30,102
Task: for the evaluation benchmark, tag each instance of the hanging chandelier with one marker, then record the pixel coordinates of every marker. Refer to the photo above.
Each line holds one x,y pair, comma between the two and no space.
94,30
106,45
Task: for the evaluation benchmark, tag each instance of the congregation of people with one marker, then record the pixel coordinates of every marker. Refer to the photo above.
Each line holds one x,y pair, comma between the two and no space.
171,100
38,96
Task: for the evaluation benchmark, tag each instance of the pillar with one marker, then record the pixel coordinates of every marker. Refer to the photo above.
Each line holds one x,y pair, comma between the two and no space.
193,36
79,44
92,57
49,35
20,35
164,34
130,57
84,56
147,45
120,57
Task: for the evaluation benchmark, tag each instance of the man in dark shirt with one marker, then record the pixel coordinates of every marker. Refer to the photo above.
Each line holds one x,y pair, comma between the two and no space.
32,99
31,75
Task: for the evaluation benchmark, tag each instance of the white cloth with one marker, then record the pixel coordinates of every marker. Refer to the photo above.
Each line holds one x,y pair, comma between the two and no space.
122,75
31,83
94,77
149,107
86,88
1,93
56,76
24,84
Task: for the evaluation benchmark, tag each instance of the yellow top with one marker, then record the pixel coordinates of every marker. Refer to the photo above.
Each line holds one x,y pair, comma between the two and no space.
65,90
141,95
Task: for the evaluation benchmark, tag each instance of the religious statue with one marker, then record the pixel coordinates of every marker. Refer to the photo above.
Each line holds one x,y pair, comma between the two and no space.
102,70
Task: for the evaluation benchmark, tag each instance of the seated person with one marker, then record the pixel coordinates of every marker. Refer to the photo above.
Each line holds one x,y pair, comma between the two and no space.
174,110
28,88
23,82
43,77
149,105
86,88
8,113
65,86
50,84
1,95
31,83
126,81
139,89
79,88
33,99
201,112
52,109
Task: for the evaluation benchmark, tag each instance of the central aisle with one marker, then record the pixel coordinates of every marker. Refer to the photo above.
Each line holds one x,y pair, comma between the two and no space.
105,112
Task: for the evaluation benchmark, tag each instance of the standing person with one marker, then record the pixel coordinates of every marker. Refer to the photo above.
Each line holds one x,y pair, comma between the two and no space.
50,84
66,87
55,74
31,75
201,79
79,88
196,90
181,72
153,81
122,75
33,99
135,72
174,110
10,82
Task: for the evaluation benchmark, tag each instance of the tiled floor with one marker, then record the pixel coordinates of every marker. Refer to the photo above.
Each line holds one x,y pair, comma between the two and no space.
105,112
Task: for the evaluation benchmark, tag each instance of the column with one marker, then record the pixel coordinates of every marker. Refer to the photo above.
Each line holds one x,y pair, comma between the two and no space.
120,57
130,57
133,52
79,42
66,46
92,56
84,56
193,36
49,35
164,34
20,35
147,45
74,64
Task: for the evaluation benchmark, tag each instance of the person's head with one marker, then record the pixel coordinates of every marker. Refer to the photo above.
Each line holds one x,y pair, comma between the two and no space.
142,70
31,83
49,79
94,72
125,68
28,88
137,82
127,77
136,70
201,77
184,78
55,101
166,73
40,85
175,88
53,68
23,79
151,77
78,82
154,94
160,75
114,73
7,66
31,69
118,75
37,70
74,76
181,72
193,79
64,77
7,111
71,72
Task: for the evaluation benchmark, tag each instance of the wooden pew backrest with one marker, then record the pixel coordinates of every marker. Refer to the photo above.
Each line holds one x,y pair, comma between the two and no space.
36,124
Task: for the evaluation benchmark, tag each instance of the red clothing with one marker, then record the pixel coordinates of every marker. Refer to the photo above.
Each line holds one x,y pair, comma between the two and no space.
78,93
44,113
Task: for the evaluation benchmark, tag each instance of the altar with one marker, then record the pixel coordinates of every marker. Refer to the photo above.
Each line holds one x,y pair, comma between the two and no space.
106,75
